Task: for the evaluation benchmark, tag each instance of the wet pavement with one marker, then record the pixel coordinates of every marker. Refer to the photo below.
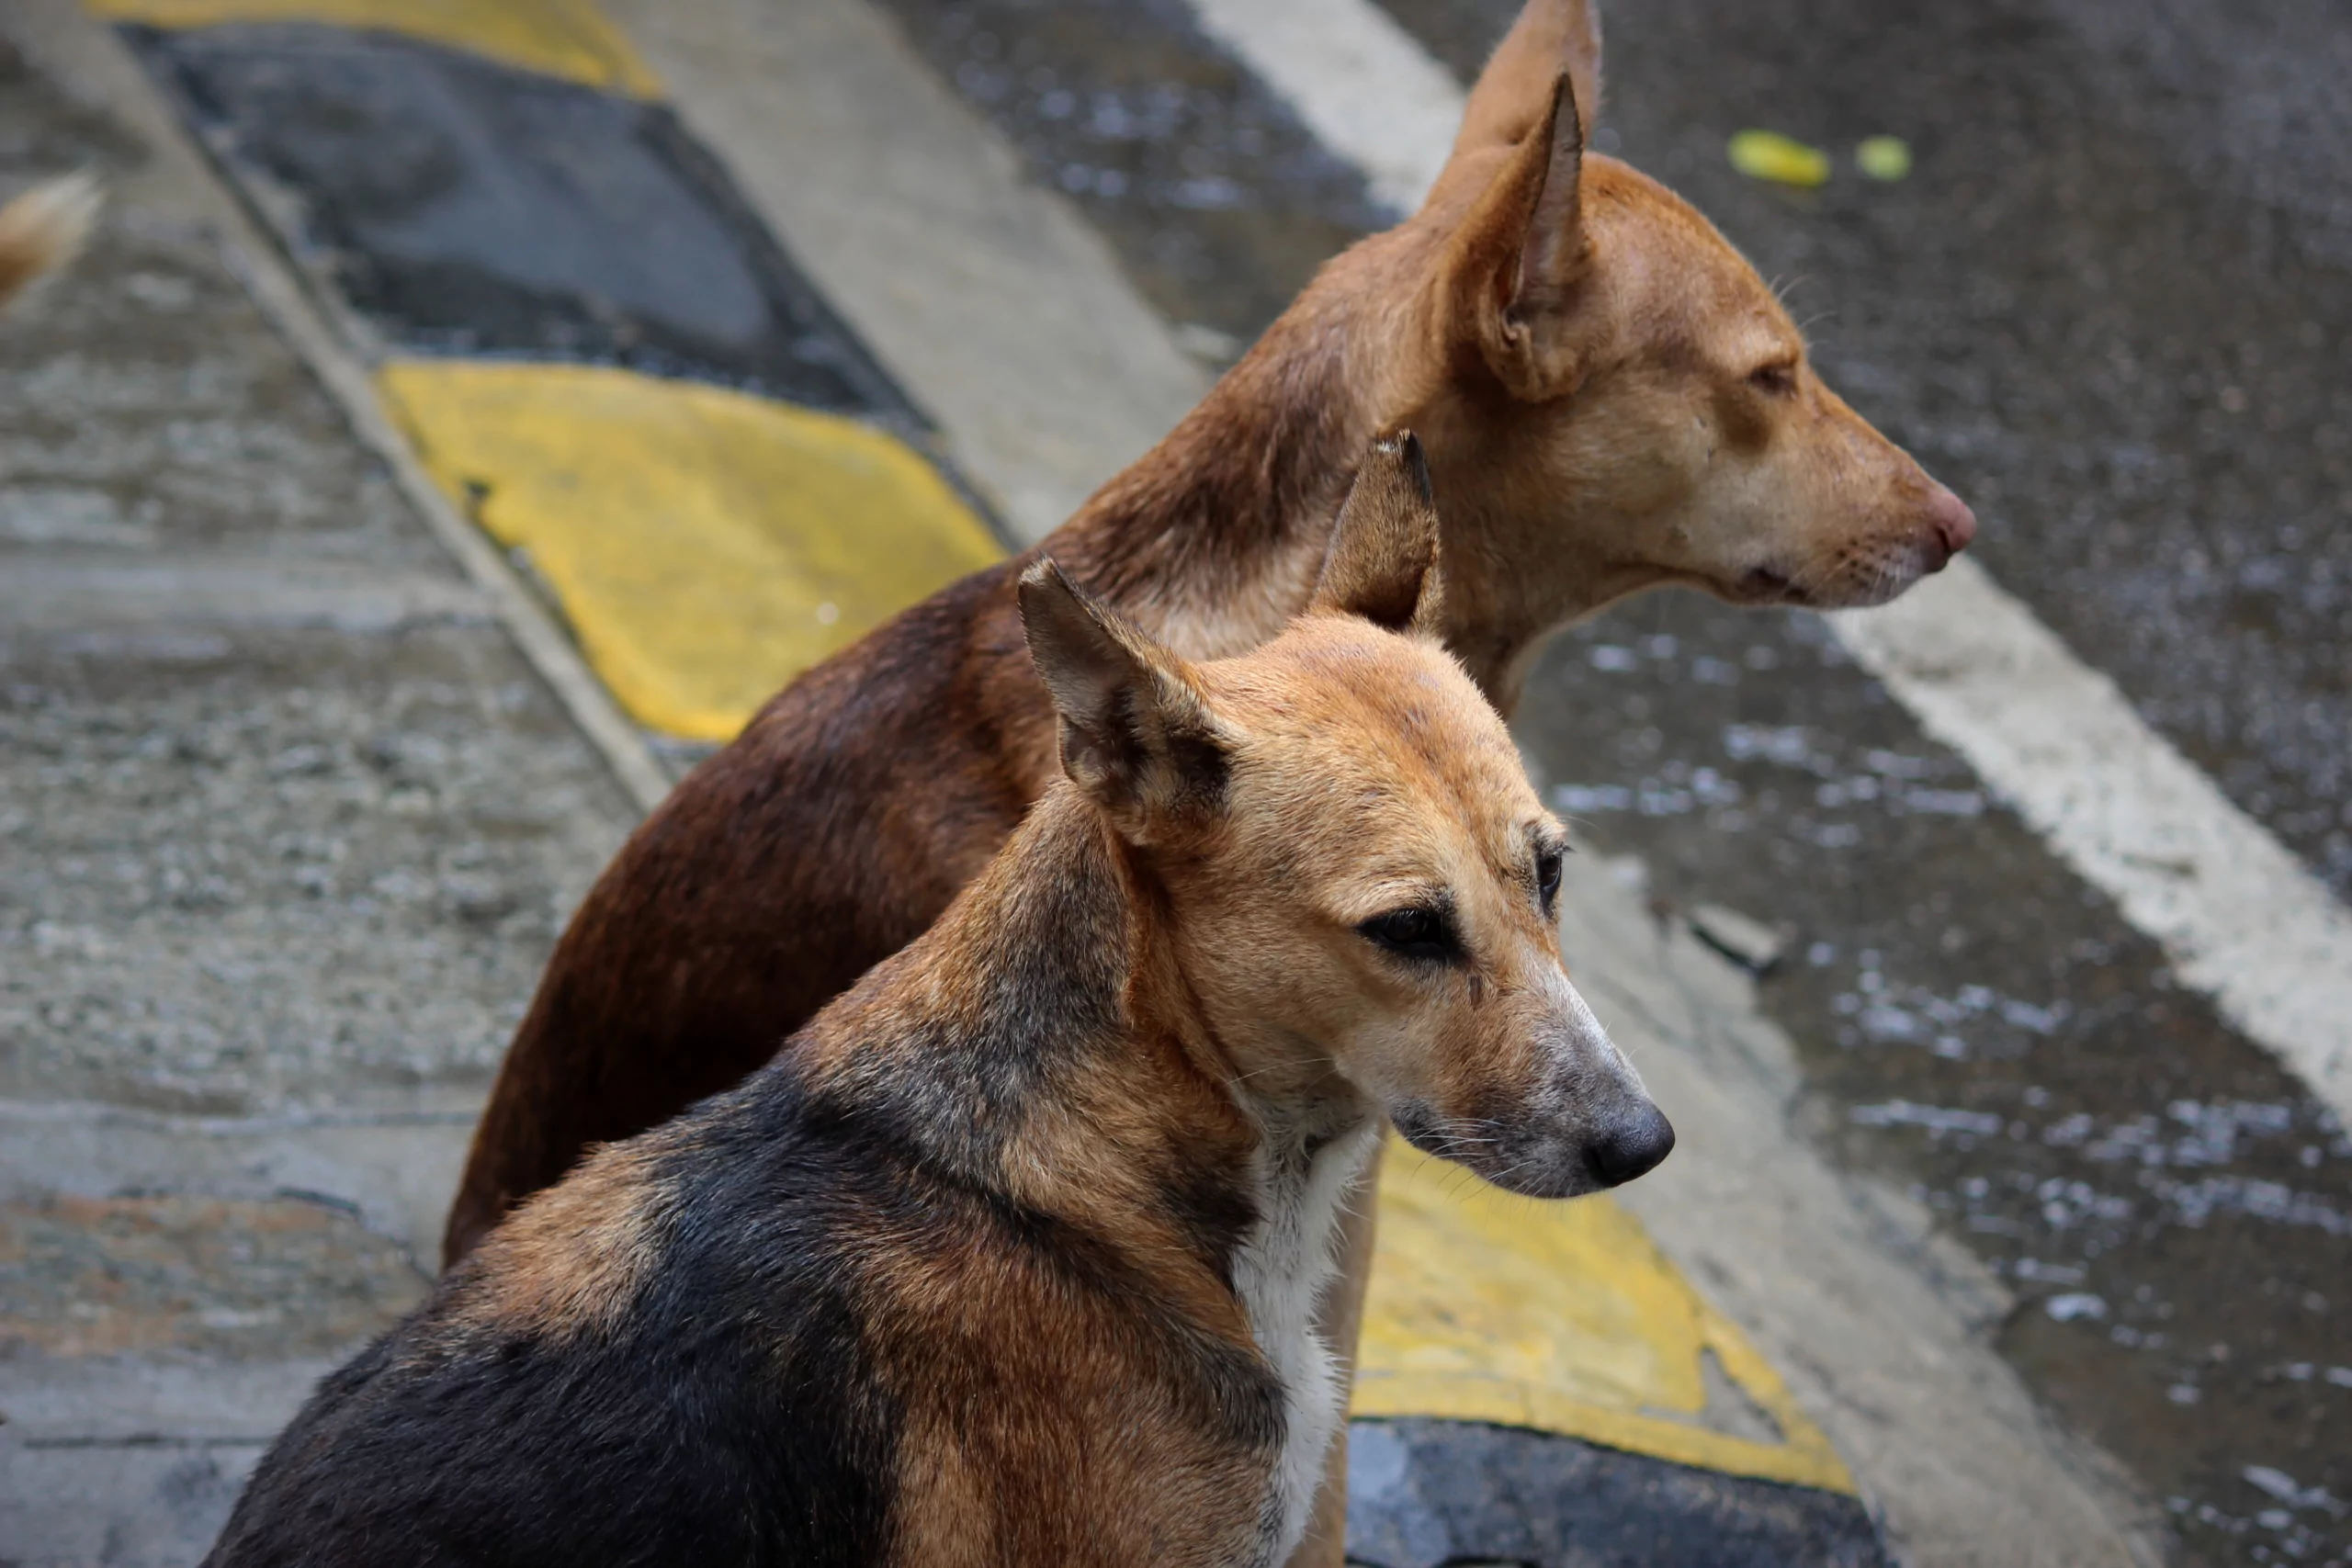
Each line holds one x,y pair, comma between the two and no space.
2167,1204
2100,310
2135,374
1217,201
2137,369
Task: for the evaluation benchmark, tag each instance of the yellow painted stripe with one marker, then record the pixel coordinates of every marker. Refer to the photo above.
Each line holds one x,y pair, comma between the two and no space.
570,39
1564,1318
706,546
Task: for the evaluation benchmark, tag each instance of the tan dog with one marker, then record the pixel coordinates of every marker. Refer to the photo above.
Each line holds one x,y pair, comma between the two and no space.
1612,401
1013,1258
41,230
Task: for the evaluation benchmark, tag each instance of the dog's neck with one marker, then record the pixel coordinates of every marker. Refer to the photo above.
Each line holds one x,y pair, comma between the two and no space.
1041,1040
1042,1044
1213,539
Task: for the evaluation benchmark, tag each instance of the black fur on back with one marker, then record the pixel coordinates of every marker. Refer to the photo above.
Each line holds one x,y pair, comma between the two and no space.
733,1417
732,1411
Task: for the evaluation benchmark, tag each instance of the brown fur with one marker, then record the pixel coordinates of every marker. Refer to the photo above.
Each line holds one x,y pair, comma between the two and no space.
1612,401
573,1259
41,230
1013,1260
1594,417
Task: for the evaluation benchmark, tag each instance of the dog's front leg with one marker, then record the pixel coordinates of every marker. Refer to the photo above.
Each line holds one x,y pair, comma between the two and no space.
1338,1319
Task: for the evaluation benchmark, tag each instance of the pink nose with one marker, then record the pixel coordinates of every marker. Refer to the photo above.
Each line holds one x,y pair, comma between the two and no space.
1954,522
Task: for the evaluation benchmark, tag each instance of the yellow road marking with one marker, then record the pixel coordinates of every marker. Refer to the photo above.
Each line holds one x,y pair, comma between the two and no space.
706,546
570,39
1564,1318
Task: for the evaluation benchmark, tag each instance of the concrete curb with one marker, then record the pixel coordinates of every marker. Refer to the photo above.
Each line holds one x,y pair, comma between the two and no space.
79,49
654,271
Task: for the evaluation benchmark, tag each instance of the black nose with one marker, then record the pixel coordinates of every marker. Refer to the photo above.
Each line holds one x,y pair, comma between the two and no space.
1634,1146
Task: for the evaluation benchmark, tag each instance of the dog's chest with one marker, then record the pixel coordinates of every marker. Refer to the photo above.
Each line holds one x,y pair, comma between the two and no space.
1281,1275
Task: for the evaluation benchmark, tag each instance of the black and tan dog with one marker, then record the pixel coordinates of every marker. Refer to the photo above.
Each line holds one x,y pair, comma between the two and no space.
1013,1257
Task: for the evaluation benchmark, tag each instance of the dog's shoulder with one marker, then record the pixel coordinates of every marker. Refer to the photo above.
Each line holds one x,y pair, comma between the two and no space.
672,1298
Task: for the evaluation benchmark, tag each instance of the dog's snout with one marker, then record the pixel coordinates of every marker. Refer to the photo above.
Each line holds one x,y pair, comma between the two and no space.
1631,1146
1954,523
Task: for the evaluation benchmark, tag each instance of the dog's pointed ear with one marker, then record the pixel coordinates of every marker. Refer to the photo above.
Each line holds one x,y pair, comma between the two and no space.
1551,39
1383,563
1136,733
1517,267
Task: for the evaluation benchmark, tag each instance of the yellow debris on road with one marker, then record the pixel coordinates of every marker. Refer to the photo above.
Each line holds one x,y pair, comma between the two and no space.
1884,157
1769,155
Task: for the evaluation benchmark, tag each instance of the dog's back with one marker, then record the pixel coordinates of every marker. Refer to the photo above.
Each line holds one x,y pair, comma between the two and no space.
803,1325
603,1384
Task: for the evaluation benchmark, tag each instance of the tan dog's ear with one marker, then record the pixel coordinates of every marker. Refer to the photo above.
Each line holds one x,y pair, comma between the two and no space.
1515,266
1137,735
1383,564
1551,37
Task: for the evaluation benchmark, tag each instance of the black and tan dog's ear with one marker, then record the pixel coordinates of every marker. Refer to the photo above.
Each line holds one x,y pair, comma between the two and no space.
1383,563
1137,734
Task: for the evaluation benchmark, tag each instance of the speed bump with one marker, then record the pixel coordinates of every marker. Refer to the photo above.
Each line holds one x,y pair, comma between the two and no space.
597,350
706,545
568,40
1565,1317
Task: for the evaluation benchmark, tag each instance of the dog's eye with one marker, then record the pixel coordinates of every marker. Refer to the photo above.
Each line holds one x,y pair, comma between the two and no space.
1775,381
1413,932
1547,878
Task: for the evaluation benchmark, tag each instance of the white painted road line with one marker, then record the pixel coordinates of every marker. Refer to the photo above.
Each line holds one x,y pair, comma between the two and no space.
1363,84
2240,917
2237,914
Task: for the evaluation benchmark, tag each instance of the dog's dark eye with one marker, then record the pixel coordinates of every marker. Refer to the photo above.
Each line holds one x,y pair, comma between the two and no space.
1776,380
1415,932
1547,878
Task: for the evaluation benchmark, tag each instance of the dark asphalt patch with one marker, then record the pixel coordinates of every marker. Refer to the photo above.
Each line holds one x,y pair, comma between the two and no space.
1425,1494
461,206
1217,201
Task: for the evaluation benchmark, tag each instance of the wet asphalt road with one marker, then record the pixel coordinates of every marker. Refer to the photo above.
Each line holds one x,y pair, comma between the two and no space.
2112,306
